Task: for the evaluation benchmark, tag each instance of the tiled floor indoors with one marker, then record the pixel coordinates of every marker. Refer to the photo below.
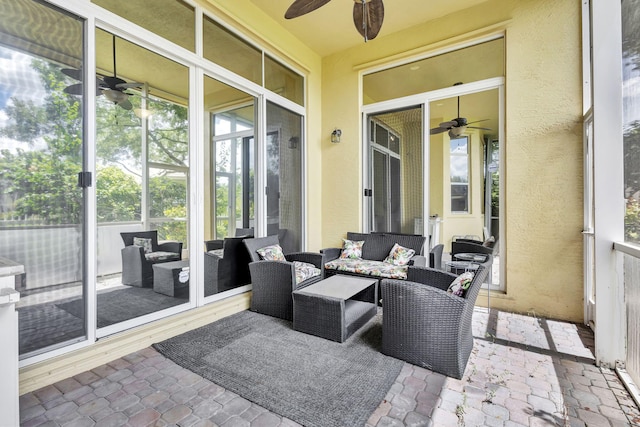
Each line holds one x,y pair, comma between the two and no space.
524,371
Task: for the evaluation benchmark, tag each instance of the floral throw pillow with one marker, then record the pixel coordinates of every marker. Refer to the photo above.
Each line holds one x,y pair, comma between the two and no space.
271,253
461,283
305,271
145,243
351,249
399,255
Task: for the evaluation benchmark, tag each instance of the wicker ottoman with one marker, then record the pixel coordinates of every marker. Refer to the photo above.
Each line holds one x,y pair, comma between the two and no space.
171,278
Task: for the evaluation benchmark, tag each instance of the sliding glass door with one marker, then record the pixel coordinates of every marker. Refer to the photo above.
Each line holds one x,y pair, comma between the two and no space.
395,172
142,181
284,186
42,179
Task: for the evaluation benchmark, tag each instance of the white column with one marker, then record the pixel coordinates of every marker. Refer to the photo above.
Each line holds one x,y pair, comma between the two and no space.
610,323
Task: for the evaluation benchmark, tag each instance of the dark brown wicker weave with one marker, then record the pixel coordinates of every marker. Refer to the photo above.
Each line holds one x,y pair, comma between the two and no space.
274,281
334,318
426,326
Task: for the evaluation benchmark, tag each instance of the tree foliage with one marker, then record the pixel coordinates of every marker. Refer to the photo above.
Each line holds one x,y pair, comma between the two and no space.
40,179
631,58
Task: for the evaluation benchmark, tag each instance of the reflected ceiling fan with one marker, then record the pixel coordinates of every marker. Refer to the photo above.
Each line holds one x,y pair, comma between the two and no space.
367,14
112,87
457,126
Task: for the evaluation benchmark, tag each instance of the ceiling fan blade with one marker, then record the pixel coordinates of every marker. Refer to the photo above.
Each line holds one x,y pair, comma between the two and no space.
126,104
436,131
75,89
73,73
477,121
302,7
123,86
449,124
113,82
476,127
368,17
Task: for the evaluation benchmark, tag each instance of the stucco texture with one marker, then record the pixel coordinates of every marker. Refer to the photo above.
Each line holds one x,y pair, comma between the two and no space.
542,148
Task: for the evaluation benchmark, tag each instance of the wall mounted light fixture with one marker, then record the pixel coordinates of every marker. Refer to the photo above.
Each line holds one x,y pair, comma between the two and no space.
293,142
335,136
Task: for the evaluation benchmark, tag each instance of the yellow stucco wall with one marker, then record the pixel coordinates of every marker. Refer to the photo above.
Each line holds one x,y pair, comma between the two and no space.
542,151
543,144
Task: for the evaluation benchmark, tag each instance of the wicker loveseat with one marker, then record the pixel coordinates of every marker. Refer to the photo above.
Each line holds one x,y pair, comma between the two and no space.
375,249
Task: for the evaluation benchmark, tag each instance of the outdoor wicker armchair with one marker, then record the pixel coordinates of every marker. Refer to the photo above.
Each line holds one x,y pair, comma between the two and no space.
425,325
137,261
226,270
274,281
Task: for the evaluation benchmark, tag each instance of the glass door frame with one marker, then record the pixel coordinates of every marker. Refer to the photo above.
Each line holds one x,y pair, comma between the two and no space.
424,100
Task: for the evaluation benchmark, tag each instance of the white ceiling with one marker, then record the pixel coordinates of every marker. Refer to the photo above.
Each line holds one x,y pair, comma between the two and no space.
330,28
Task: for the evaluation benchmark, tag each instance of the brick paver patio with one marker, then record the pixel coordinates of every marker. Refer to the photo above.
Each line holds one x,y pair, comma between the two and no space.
524,371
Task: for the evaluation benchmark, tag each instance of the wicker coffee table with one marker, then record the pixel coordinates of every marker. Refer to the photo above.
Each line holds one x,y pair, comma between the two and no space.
336,307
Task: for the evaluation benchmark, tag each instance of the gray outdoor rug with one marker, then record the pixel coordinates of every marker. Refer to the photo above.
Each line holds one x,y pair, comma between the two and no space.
123,304
310,380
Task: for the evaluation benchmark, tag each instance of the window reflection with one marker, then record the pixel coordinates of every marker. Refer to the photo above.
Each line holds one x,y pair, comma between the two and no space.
230,180
142,180
41,154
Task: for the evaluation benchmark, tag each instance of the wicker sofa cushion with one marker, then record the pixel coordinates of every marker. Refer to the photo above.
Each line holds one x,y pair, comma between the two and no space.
460,284
162,256
368,267
399,255
351,249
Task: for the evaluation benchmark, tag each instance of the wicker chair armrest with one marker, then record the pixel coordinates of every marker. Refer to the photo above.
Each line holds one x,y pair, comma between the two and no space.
430,276
419,261
275,272
309,257
330,253
211,245
413,301
133,251
170,246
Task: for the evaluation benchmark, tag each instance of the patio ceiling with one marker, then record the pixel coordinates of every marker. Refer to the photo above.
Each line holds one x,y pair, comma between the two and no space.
330,29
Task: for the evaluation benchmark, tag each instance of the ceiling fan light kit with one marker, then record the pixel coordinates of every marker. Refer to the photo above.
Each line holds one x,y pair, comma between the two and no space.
456,127
367,14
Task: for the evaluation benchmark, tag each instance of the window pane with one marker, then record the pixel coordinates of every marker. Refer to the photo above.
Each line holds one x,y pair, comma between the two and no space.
41,154
459,198
395,172
459,169
284,177
231,52
631,117
142,159
480,62
283,81
163,18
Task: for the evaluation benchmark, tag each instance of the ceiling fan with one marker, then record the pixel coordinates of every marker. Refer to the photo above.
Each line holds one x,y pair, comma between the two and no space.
367,14
457,126
112,87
